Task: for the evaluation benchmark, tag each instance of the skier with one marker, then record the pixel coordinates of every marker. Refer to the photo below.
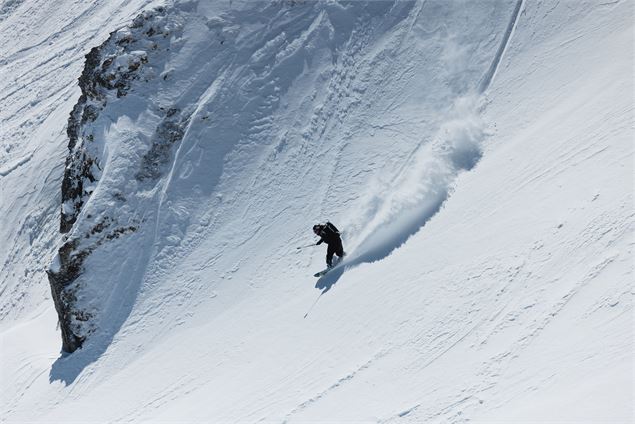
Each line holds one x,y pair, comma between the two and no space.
330,234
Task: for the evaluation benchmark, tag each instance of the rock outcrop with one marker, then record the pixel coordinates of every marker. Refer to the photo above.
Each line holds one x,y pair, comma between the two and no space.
112,71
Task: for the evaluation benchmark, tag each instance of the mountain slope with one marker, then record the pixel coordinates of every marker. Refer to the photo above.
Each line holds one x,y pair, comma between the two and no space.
502,293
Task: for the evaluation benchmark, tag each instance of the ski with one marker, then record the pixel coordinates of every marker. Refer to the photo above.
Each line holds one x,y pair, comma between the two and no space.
337,264
321,273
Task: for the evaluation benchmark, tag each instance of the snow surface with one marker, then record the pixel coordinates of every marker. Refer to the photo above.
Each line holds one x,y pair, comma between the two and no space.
478,157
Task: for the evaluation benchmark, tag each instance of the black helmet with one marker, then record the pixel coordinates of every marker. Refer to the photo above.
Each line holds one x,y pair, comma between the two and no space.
317,228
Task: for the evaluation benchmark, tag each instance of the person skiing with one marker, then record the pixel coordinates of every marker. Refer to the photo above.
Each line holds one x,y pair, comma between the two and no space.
331,235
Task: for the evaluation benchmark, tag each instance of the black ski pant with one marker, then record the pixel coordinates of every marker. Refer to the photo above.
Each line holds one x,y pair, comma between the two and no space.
334,248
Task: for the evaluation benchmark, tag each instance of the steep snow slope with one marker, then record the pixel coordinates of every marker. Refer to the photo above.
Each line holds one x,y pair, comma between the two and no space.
178,73
512,302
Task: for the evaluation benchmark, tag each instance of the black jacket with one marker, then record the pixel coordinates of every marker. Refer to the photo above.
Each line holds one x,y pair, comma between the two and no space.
329,234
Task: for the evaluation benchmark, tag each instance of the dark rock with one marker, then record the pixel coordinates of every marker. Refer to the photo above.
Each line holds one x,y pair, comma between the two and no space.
169,131
63,295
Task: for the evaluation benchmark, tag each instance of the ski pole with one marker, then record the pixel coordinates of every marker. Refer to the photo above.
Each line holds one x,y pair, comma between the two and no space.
304,247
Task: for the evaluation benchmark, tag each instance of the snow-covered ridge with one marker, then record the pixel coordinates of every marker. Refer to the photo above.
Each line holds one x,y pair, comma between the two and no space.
44,44
109,72
128,60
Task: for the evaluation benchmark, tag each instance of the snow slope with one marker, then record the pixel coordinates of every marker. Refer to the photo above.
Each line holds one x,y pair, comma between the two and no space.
503,293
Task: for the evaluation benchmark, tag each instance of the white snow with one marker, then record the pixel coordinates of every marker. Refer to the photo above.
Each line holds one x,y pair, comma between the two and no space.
478,157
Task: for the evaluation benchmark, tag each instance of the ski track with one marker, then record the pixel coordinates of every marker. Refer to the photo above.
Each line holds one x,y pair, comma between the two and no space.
327,391
491,72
